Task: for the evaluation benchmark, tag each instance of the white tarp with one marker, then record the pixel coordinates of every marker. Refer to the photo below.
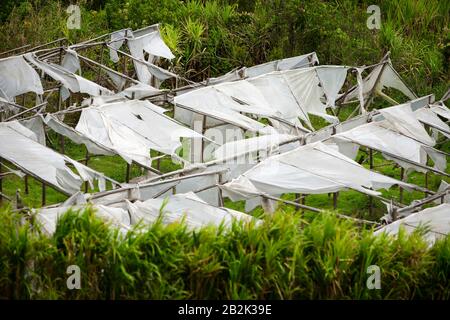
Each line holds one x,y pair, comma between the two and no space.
288,95
17,77
436,220
212,103
442,111
188,207
24,151
427,116
132,129
48,217
306,60
60,127
401,119
266,145
155,47
311,169
73,82
382,76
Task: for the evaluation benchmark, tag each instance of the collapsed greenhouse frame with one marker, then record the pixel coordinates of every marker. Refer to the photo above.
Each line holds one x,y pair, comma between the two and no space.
283,92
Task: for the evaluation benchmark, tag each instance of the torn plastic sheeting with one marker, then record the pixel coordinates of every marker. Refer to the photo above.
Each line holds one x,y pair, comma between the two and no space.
71,62
36,125
132,129
305,60
18,77
436,219
441,111
118,81
184,207
374,136
116,43
75,136
387,78
277,92
245,146
311,169
443,186
114,135
140,91
48,217
69,80
427,116
401,119
226,115
38,160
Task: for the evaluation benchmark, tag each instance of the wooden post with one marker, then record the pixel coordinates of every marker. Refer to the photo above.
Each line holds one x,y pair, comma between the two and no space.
158,161
61,143
43,194
402,173
86,183
127,176
1,183
297,199
26,184
371,167
335,199
203,140
219,181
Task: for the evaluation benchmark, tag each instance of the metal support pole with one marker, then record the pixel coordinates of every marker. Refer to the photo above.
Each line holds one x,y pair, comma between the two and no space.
1,183
26,184
127,177
43,194
371,167
219,181
86,183
335,199
402,173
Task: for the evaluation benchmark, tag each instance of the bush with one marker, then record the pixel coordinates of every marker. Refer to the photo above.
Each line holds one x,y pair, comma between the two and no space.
286,257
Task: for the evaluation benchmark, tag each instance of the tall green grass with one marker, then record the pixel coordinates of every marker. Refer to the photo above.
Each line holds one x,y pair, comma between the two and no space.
287,257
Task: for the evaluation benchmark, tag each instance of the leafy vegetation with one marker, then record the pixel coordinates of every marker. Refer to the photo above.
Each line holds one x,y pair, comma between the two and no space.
290,255
287,257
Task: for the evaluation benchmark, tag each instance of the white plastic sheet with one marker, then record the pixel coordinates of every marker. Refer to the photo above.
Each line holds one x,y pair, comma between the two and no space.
73,82
48,217
24,151
132,129
436,220
311,169
184,207
306,60
17,77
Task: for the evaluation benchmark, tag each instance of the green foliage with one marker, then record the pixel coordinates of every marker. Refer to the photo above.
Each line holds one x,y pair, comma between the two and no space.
286,257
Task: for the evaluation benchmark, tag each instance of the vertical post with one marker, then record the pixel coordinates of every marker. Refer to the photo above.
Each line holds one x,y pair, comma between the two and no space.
26,184
1,182
86,183
219,181
99,75
402,173
335,199
43,194
203,140
127,176
426,182
297,199
371,167
61,143
158,161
